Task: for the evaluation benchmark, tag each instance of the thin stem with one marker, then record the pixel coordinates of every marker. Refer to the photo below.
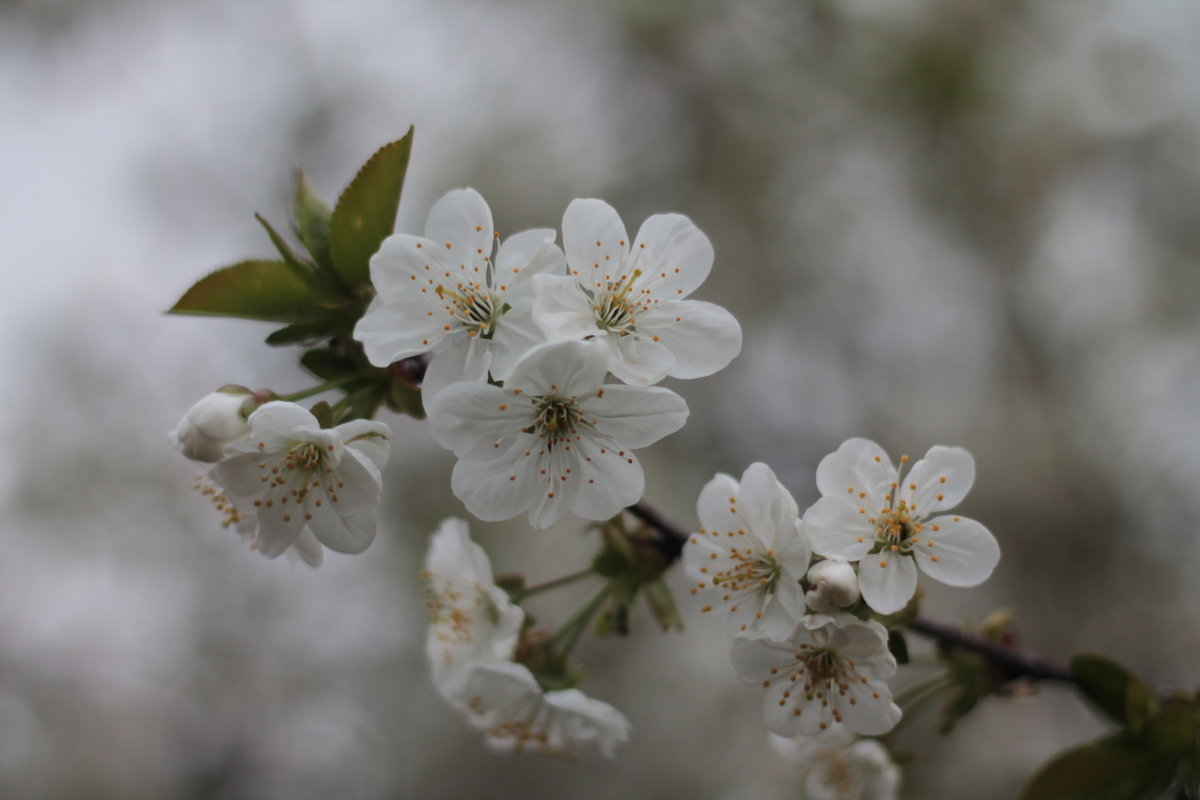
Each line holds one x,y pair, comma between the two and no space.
1014,663
554,584
324,387
671,536
570,631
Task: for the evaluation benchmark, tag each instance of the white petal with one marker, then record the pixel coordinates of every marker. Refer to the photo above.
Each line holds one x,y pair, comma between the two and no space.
345,520
858,467
561,309
462,219
767,506
608,481
839,529
278,523
464,358
635,416
753,659
369,438
703,337
241,476
525,255
966,552
308,549
594,241
938,481
472,418
673,254
638,361
502,488
588,719
888,581
404,264
278,422
869,715
390,332
563,369
556,497
516,334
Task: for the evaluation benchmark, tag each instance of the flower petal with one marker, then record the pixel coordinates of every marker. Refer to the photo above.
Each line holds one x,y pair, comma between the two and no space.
938,481
859,467
524,255
463,358
369,438
278,422
964,552
516,334
608,480
888,580
405,264
562,369
557,496
501,488
703,337
392,331
638,361
470,419
673,254
839,529
462,220
561,309
635,416
594,241
766,506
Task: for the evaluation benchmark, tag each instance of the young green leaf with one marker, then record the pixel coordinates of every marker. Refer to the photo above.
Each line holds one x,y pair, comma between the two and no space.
1112,768
365,214
1113,689
305,332
312,216
264,290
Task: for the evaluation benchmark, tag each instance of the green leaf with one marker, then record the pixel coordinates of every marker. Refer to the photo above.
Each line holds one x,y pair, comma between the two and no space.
1172,730
365,402
263,290
323,413
1112,768
365,214
312,215
662,604
304,332
1113,689
405,399
327,365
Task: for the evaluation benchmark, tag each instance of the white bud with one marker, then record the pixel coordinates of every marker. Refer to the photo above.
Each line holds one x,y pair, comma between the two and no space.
833,586
217,420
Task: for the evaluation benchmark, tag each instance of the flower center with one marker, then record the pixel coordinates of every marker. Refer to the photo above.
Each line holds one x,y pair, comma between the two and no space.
896,529
475,309
614,309
557,418
751,572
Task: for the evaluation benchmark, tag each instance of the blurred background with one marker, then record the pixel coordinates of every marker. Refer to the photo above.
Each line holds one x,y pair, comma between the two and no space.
938,222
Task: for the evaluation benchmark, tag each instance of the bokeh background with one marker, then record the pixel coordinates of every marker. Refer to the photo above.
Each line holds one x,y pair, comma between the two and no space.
938,222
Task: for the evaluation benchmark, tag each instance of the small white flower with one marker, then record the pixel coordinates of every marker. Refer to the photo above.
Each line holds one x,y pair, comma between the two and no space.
217,420
299,477
833,585
831,671
504,700
750,553
554,439
442,292
841,766
633,297
868,514
240,514
471,619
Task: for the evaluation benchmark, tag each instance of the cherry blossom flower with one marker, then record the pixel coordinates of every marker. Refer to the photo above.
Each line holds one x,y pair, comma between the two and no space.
869,514
831,671
840,766
471,619
301,478
442,292
633,298
554,439
503,699
750,553
216,420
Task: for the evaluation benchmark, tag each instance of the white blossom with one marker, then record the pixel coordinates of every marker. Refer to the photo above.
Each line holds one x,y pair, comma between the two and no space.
240,514
299,478
471,619
503,699
554,439
871,514
442,292
216,420
840,766
833,585
750,553
833,670
633,297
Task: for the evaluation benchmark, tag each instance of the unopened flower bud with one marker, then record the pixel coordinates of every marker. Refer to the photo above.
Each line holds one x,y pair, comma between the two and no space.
217,420
833,586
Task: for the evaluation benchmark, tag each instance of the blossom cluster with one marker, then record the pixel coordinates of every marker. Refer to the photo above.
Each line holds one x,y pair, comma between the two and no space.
790,581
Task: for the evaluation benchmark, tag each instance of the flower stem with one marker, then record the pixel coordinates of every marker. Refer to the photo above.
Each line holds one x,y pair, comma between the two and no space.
324,387
554,584
566,636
